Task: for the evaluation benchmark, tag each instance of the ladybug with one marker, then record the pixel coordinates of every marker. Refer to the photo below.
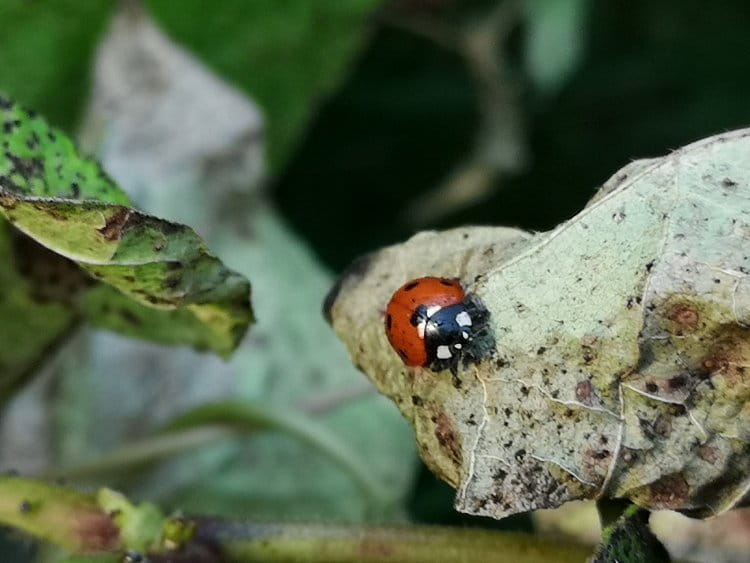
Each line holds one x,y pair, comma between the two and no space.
432,322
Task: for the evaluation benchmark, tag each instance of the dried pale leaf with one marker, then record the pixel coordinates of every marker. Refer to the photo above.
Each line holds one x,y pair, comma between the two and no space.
622,345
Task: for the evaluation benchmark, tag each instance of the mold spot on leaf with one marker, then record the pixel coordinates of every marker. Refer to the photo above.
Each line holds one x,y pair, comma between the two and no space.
684,316
709,454
584,392
671,491
112,229
447,437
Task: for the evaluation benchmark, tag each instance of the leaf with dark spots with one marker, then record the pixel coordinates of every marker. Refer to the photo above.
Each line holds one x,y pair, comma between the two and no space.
639,341
41,161
161,281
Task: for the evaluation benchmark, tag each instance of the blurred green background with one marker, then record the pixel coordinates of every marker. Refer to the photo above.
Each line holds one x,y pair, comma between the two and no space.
384,118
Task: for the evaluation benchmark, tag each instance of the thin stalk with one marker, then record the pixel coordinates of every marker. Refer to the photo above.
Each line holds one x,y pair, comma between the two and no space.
277,543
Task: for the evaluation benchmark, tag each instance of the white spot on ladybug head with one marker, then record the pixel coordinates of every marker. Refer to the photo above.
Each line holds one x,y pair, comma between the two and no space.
458,346
444,352
463,319
432,310
464,335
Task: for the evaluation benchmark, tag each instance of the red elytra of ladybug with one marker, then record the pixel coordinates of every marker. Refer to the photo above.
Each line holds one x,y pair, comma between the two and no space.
430,295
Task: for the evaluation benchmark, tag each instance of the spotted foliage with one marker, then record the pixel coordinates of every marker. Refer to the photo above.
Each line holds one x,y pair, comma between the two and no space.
621,365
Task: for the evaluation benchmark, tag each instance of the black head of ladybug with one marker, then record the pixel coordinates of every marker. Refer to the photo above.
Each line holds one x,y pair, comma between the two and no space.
454,334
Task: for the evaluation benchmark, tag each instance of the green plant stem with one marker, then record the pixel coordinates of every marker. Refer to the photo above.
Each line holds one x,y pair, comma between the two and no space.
417,544
75,522
61,516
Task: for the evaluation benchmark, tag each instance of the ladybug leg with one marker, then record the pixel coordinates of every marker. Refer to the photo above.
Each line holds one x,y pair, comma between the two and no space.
454,371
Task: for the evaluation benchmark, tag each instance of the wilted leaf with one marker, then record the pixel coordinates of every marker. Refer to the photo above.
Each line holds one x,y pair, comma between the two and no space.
622,345
69,206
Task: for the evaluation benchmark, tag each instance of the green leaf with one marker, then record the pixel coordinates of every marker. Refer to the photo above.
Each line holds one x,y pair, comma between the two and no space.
30,324
251,418
69,206
46,51
555,40
315,40
213,422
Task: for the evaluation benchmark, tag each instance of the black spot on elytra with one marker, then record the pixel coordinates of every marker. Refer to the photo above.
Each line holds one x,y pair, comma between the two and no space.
411,285
388,322
447,283
402,353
